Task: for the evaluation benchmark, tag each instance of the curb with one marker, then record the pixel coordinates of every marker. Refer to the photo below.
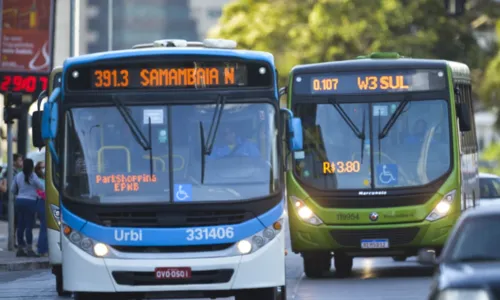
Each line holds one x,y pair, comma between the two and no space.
6,238
25,265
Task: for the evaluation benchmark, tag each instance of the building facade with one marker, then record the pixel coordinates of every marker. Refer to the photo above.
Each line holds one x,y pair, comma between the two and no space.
136,22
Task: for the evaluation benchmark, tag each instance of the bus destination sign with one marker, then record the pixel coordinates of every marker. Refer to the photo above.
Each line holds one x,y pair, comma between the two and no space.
208,76
391,81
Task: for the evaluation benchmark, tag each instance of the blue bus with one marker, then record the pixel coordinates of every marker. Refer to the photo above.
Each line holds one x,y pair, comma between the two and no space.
171,171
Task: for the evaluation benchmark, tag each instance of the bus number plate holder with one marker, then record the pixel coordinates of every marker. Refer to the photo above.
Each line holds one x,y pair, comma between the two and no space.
173,273
375,244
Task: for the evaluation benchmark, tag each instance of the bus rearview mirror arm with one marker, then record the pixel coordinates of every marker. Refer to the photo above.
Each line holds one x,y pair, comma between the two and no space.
293,130
50,122
36,123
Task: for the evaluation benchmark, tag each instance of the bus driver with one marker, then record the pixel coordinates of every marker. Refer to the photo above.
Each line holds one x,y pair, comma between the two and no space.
235,146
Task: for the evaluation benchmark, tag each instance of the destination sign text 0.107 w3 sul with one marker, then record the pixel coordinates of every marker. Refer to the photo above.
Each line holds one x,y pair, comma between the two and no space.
366,82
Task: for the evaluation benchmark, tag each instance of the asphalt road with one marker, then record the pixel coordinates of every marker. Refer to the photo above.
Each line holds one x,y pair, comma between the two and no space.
374,279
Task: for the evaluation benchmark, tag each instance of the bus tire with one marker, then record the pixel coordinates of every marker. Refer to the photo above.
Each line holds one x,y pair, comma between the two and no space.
59,283
93,296
399,258
316,264
343,265
274,293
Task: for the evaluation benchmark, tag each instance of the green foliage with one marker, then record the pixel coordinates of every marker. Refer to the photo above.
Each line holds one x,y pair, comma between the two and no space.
490,85
310,31
491,155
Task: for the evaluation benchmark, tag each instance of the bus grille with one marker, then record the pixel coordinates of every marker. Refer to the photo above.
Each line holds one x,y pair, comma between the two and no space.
148,278
172,219
172,249
396,236
372,201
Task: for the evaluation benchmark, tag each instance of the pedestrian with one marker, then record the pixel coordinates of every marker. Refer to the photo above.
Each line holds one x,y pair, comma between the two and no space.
17,163
3,194
25,186
43,243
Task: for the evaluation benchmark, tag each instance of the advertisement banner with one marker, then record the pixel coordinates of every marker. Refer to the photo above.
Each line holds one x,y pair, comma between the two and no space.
26,44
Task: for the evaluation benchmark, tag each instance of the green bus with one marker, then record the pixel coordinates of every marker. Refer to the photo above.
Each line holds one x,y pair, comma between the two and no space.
389,158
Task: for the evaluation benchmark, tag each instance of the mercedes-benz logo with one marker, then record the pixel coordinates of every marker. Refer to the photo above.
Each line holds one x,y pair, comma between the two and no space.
374,216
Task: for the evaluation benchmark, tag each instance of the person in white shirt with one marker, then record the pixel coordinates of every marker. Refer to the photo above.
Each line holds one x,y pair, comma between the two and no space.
25,186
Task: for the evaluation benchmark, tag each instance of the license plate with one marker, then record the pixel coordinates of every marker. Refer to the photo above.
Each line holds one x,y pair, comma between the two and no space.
173,273
375,244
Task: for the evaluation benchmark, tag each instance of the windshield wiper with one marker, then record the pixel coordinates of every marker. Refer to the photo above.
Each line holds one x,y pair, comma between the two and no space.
363,137
150,148
390,123
207,147
214,126
134,128
359,134
392,120
203,152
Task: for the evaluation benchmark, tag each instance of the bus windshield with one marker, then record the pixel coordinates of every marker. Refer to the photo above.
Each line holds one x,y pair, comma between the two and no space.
415,151
104,163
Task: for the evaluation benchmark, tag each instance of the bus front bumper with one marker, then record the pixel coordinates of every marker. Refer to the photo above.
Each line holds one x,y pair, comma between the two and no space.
54,240
404,239
260,269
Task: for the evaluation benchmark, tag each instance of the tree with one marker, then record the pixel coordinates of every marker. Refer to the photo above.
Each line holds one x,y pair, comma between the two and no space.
310,31
490,85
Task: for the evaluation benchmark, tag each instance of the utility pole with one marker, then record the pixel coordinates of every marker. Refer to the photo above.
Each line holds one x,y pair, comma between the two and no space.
110,25
13,109
72,28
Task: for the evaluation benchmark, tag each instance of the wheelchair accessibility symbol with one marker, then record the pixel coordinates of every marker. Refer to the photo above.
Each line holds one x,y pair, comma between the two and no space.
387,174
183,192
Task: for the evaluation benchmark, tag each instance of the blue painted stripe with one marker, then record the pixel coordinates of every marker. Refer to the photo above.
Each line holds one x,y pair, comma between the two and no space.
172,236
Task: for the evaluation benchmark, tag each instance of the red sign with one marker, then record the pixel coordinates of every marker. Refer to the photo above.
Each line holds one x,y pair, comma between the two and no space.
173,273
26,38
28,84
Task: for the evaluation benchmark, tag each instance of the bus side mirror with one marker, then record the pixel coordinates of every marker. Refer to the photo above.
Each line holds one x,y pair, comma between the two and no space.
292,129
50,121
36,123
464,116
36,128
295,138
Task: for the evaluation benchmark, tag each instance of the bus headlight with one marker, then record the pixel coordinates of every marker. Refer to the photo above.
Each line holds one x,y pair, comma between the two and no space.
244,246
305,213
443,207
258,240
463,294
100,249
56,213
85,243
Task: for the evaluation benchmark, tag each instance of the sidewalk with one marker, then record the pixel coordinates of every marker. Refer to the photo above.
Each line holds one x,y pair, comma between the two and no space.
8,259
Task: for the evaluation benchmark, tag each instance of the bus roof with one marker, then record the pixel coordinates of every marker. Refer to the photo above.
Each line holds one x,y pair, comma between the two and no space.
159,51
378,63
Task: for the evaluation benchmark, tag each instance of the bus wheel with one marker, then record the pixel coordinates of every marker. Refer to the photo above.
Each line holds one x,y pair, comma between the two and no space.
59,283
92,296
275,293
399,258
343,265
316,263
